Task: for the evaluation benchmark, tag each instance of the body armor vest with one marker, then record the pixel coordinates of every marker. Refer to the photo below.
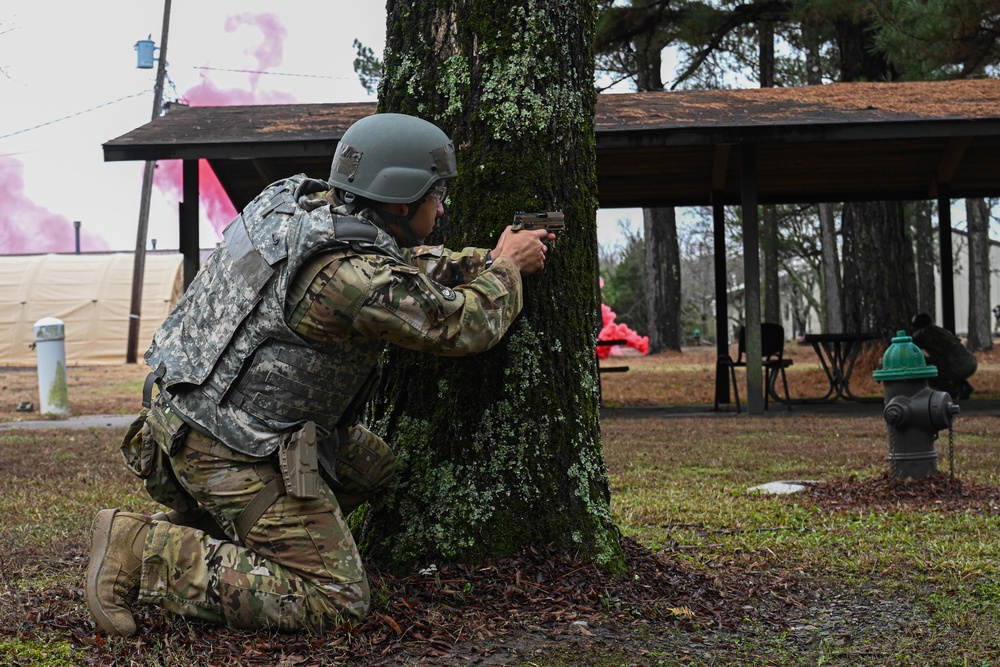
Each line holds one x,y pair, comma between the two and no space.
225,357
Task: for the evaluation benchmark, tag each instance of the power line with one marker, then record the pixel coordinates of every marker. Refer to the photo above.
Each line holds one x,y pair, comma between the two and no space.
73,115
253,71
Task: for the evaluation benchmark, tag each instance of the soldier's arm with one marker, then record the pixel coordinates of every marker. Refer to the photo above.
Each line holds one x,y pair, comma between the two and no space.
377,298
527,249
448,267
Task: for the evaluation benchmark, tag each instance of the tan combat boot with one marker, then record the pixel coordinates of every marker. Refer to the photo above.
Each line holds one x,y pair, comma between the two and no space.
112,584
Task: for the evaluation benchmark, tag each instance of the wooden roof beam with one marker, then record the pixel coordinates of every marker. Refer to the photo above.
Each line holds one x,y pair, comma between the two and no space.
948,165
720,166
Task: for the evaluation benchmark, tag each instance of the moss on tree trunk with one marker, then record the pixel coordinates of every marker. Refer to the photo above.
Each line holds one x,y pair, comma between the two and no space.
502,449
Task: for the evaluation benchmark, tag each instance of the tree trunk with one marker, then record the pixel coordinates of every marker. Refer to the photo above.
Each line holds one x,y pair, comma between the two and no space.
978,214
769,252
880,291
880,286
648,63
833,305
926,257
769,217
502,449
766,43
662,275
663,279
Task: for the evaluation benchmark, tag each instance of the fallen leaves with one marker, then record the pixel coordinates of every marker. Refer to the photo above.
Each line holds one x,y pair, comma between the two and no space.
887,493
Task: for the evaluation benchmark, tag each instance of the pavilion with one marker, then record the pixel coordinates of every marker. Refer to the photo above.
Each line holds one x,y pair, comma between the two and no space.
831,143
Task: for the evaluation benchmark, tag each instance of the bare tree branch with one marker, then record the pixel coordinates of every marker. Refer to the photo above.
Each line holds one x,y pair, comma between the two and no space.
738,17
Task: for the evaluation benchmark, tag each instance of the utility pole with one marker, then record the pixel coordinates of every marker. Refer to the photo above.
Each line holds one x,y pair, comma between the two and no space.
139,266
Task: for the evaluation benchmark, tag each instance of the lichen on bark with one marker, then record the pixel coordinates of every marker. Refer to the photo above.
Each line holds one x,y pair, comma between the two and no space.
502,449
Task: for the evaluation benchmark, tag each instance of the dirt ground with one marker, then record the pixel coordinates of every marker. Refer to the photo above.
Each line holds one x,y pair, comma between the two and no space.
668,378
539,603
688,377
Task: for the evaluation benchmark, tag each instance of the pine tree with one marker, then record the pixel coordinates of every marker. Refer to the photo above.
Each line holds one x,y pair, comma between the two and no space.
502,449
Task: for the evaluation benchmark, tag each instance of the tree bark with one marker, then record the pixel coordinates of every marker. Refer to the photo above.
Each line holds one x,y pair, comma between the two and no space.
880,291
926,257
880,286
663,257
832,303
769,253
978,214
501,449
769,217
663,279
833,307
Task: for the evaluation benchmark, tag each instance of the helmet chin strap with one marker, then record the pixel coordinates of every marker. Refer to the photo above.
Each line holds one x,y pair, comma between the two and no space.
406,237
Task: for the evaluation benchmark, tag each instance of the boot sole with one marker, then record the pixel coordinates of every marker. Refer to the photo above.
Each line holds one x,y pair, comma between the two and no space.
100,542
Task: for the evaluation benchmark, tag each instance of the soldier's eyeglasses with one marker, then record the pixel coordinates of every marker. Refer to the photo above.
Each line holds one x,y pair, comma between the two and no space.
438,193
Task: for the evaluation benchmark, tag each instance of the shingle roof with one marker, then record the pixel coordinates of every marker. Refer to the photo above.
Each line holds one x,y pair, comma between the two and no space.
836,142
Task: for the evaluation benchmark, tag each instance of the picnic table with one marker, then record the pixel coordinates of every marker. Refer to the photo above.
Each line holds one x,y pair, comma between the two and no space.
837,353
610,343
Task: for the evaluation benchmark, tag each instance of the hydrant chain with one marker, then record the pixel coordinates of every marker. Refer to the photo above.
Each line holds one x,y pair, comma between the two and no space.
951,450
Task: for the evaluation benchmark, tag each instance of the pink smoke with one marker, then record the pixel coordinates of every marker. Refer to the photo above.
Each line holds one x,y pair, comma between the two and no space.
271,50
26,227
168,179
615,331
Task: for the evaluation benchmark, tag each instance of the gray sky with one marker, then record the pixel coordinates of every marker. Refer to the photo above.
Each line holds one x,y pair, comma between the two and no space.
69,83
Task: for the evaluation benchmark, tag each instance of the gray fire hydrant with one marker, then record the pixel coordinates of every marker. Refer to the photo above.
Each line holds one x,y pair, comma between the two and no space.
913,411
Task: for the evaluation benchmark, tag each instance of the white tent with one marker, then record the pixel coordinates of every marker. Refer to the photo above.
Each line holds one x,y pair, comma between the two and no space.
91,294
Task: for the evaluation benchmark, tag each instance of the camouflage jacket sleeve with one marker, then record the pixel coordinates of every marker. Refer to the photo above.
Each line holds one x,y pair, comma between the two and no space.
344,296
445,266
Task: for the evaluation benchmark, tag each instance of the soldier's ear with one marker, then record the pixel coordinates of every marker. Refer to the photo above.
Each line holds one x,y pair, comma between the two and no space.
401,210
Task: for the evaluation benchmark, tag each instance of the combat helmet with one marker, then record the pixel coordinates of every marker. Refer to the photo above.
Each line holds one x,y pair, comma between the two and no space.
392,158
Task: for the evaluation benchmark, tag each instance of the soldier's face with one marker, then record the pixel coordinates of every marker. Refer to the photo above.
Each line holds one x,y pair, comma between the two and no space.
427,214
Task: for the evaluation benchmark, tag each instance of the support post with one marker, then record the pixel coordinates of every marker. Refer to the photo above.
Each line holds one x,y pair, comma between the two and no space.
947,258
189,214
721,297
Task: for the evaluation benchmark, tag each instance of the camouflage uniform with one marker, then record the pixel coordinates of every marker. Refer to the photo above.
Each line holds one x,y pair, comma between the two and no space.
314,308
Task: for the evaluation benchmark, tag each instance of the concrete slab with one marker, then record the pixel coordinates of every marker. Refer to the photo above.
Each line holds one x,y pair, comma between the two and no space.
783,487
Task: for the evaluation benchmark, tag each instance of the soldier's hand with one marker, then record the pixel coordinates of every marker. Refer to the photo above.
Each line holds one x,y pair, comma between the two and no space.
527,248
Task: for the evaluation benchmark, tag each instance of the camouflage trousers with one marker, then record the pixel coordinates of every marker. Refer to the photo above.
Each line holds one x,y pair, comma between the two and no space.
298,568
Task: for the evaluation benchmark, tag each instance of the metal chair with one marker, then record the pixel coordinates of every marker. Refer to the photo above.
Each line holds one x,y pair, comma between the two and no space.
772,349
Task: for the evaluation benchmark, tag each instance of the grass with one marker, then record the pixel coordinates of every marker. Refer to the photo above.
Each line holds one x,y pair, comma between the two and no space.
682,485
813,584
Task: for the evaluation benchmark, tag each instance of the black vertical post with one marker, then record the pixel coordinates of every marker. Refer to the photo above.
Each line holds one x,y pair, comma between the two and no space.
188,232
721,297
947,259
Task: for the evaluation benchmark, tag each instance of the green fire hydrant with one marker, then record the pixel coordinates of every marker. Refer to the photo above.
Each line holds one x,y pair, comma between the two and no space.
913,411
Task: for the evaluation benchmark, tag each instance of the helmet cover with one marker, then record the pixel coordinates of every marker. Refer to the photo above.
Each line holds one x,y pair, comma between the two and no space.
392,158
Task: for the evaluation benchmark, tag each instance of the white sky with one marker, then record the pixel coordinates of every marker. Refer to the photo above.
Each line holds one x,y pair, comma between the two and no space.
69,83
